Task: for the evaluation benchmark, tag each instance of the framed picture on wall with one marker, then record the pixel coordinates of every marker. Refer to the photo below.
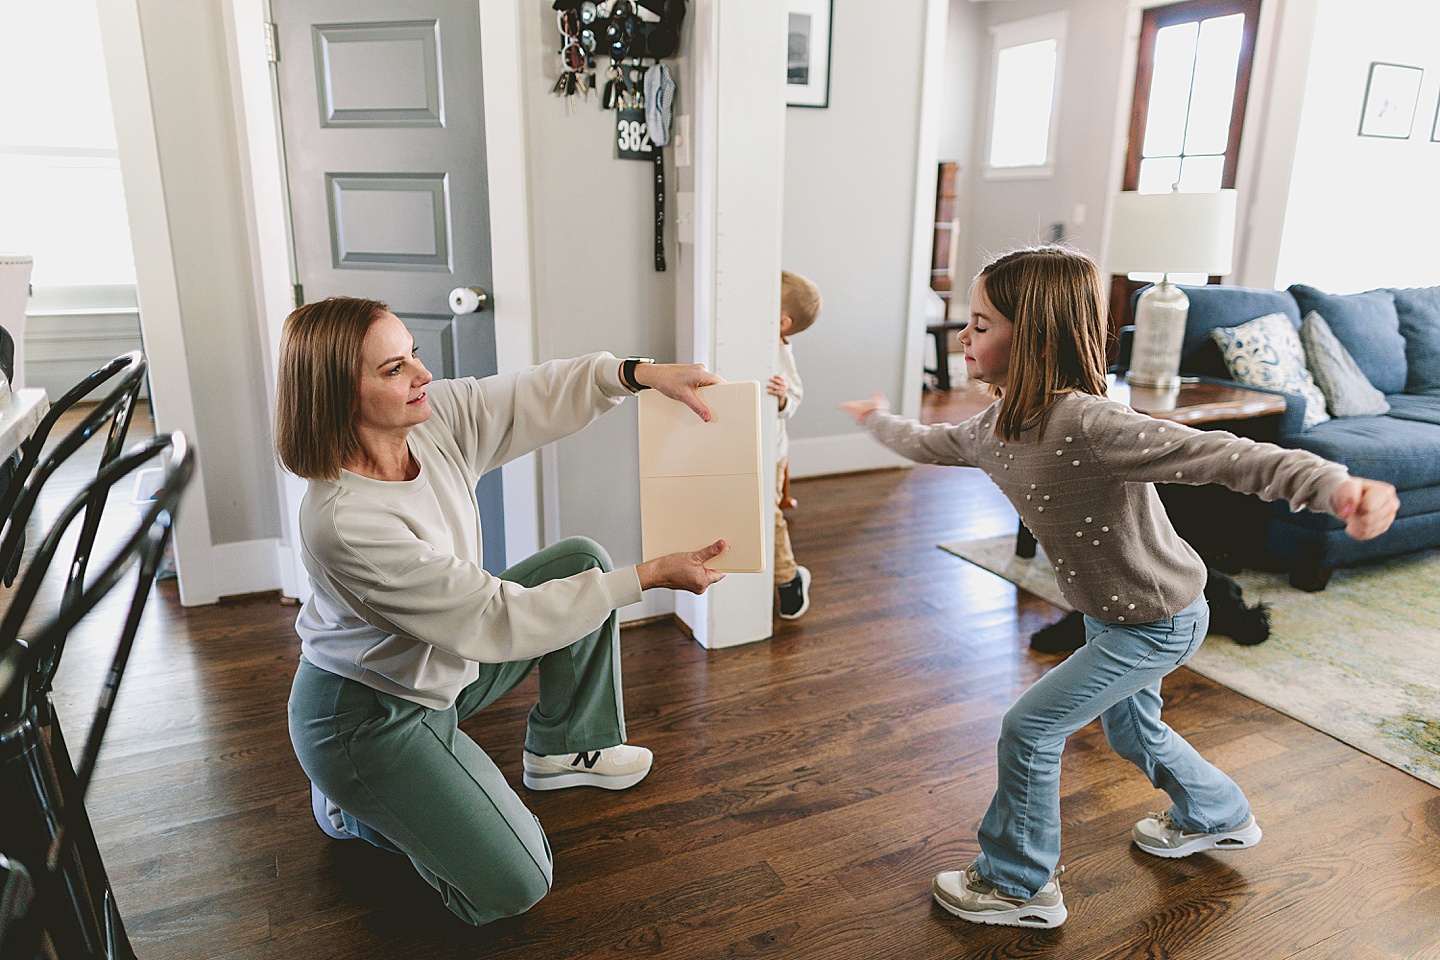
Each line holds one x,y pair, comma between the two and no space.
1435,127
1391,95
807,68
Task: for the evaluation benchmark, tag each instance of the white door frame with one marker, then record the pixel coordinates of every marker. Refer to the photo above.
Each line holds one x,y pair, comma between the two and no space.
260,158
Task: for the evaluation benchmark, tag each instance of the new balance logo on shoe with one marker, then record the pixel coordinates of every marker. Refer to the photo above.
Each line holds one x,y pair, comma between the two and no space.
589,759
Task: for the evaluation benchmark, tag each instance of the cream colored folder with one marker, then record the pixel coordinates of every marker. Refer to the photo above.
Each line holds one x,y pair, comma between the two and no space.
699,481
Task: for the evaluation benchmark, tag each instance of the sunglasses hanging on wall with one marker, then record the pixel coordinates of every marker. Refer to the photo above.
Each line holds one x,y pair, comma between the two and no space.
577,48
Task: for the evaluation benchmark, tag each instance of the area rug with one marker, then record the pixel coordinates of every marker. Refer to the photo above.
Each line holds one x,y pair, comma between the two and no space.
1359,660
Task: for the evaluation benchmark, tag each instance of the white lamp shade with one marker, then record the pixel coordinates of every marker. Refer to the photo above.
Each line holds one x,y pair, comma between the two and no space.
1172,233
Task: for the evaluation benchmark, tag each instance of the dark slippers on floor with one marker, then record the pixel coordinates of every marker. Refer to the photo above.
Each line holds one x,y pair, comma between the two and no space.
1229,615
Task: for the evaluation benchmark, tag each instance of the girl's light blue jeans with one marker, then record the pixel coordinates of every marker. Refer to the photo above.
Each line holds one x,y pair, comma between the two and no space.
1115,676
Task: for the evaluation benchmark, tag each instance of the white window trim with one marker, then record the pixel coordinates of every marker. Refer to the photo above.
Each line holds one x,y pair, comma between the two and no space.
1050,26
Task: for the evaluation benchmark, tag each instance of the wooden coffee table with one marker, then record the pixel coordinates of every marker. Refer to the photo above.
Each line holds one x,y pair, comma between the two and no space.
1223,526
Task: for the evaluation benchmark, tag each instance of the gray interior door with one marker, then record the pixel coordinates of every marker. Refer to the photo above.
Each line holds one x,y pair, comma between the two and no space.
383,123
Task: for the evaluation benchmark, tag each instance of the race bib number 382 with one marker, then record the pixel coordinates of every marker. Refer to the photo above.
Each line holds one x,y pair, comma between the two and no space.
632,141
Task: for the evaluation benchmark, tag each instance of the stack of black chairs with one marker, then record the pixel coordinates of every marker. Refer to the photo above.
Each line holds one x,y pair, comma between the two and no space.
55,897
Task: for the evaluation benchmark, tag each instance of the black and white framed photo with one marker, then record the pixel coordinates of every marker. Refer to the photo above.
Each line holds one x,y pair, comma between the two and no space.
1391,95
807,69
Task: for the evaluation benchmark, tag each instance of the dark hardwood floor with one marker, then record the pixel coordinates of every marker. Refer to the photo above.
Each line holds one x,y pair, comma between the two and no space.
805,791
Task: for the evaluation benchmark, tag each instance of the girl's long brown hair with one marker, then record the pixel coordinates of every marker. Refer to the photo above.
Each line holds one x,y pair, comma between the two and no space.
1054,298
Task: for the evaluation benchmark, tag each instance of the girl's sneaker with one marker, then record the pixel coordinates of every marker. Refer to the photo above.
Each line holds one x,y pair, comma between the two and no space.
970,896
1157,834
613,768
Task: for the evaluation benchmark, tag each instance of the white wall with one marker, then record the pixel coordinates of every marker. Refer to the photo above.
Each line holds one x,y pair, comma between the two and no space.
1361,212
1006,213
187,60
966,59
850,197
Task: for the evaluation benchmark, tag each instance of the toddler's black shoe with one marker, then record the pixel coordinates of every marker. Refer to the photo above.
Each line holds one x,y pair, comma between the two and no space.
795,595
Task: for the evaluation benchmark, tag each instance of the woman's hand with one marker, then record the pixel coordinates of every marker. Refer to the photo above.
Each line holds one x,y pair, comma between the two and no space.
682,571
860,409
1367,506
678,381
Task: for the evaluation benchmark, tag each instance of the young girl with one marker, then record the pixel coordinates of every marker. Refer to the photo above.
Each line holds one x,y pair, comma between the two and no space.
1081,469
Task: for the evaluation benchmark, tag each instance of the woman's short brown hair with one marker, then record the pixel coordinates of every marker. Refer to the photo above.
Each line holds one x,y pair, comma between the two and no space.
317,396
1054,297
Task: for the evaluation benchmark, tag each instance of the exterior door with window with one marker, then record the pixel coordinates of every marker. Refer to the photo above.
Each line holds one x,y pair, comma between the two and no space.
1191,84
383,124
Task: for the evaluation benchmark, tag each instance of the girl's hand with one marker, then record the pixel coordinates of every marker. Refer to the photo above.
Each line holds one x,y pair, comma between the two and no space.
679,381
682,571
1367,506
778,386
860,409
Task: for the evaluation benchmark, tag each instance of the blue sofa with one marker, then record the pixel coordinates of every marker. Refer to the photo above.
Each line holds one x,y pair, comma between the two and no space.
1394,337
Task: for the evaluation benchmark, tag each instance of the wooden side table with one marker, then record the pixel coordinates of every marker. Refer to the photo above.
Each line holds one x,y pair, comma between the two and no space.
1223,526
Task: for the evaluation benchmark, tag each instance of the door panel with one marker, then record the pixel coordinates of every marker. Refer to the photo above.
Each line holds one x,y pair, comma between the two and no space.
383,124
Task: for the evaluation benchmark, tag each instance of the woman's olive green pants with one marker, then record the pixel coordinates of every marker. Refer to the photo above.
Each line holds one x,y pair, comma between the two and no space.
407,778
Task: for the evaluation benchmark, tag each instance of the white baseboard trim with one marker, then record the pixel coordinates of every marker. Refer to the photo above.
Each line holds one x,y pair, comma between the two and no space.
821,456
250,566
653,603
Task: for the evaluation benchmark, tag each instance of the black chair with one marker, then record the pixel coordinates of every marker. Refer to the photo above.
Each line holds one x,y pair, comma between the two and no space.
56,898
20,496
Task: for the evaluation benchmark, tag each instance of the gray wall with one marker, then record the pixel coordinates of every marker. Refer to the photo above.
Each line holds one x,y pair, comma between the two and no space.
849,211
595,284
187,59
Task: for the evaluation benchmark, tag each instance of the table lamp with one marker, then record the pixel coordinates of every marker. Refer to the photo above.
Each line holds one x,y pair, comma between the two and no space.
1167,233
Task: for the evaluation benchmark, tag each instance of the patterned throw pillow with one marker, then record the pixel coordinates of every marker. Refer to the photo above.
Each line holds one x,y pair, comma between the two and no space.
1266,352
1348,393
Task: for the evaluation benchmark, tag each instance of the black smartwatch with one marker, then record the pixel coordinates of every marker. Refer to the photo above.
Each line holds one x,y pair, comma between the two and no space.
627,372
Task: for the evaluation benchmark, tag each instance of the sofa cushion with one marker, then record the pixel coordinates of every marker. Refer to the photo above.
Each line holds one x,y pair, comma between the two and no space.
1399,451
1418,309
1347,392
1421,407
1368,325
1213,306
1266,352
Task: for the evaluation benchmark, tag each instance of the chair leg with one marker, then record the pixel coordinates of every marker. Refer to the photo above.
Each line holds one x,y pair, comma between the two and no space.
1024,542
942,360
1309,577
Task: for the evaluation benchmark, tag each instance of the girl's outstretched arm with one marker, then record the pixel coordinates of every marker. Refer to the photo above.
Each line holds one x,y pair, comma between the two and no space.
1367,506
952,444
860,409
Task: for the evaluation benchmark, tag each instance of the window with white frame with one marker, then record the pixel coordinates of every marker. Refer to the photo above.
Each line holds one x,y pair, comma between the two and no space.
61,199
1025,63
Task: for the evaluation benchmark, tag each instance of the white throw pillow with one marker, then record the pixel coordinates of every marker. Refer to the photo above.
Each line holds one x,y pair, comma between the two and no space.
1348,392
1266,352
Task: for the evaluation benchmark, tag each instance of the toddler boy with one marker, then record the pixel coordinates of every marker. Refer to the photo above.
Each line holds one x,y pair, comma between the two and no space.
799,308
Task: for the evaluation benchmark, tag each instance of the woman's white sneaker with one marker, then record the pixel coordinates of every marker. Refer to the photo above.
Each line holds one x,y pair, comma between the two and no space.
1157,834
613,768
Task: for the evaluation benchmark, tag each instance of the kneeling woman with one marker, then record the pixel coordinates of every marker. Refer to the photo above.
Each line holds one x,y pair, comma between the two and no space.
406,635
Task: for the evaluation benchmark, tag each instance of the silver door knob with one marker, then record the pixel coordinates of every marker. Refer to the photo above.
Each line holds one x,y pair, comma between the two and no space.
469,300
